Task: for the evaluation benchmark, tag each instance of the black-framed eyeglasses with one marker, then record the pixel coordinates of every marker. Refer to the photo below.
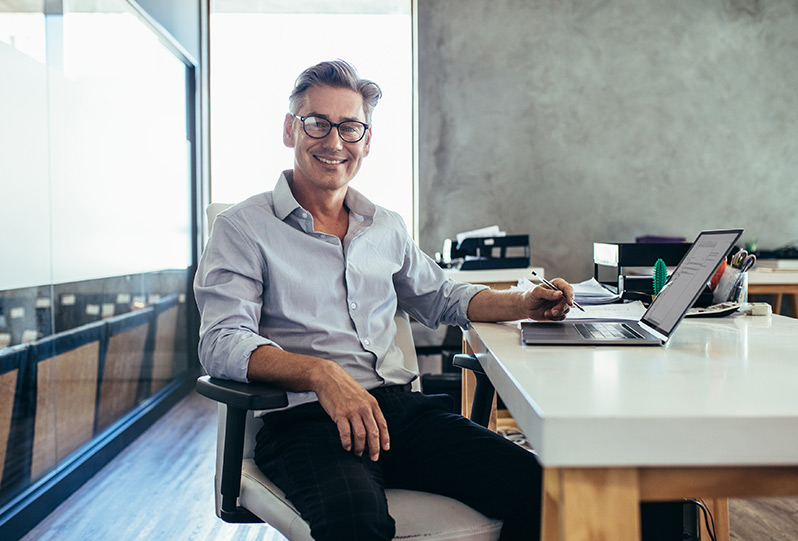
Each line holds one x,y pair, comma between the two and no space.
316,127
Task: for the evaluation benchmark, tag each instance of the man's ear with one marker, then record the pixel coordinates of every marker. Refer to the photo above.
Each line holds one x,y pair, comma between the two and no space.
367,146
288,130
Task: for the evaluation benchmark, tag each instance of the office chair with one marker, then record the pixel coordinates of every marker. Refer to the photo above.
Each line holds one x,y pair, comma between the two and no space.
245,494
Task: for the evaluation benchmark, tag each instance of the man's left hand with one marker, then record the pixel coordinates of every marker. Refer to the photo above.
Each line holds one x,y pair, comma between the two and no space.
539,303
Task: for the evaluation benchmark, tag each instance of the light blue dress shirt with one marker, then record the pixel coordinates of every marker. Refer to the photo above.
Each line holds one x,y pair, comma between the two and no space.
267,278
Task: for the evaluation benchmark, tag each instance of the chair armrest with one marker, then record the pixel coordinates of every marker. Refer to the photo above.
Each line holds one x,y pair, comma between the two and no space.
239,398
469,362
482,404
246,396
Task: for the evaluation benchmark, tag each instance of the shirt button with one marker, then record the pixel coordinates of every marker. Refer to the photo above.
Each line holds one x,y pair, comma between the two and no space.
304,214
367,341
353,305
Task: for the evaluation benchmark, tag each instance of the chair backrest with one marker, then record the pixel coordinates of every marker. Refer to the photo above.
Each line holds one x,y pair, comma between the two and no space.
212,210
404,339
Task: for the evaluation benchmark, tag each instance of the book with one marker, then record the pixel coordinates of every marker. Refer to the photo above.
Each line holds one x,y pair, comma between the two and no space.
777,264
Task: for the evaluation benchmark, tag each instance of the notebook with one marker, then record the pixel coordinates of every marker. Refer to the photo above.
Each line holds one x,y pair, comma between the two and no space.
665,312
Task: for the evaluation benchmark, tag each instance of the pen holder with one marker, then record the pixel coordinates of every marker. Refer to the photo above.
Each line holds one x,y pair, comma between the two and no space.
732,287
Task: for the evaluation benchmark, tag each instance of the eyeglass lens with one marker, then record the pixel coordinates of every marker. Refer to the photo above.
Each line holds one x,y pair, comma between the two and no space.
349,131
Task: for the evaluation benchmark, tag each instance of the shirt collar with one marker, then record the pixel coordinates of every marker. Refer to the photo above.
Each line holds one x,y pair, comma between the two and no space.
359,206
285,203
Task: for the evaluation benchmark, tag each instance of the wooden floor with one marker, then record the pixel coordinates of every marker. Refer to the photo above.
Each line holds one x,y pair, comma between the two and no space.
160,488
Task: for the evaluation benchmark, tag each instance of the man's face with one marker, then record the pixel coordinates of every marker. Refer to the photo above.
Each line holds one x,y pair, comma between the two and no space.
328,163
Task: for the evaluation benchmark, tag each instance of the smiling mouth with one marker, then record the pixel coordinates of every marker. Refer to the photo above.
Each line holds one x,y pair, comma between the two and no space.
329,161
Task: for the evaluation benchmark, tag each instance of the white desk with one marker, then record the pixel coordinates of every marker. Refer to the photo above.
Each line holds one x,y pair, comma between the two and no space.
713,414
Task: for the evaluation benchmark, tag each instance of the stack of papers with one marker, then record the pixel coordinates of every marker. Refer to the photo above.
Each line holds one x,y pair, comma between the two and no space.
770,265
591,292
490,231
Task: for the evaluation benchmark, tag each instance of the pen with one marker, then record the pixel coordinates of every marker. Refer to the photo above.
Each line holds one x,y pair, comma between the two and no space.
552,286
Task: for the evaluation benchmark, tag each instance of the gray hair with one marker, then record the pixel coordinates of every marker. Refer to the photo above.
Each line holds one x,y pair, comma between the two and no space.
338,74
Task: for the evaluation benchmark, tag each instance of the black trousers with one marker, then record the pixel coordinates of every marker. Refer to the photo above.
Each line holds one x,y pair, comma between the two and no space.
342,496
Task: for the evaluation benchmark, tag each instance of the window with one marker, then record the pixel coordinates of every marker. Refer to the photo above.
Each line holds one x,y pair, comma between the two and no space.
258,50
95,173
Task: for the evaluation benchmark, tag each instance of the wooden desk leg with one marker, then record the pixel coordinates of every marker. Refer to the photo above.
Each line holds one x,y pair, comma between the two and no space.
777,303
589,504
468,384
550,517
719,507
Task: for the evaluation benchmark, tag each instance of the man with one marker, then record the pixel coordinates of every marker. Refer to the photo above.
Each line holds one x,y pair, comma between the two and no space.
299,287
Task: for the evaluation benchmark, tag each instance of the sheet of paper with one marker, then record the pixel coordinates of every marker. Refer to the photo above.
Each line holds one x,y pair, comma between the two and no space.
628,310
490,231
592,292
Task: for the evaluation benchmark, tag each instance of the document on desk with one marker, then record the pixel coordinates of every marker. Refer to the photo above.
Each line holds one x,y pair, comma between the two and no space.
631,311
591,292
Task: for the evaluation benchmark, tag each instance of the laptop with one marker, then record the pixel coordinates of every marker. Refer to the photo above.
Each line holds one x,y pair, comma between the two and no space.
664,313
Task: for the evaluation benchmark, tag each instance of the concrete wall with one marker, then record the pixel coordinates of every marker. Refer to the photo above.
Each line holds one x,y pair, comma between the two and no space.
580,121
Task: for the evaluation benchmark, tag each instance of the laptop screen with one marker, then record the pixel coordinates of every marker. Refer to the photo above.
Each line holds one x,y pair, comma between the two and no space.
688,280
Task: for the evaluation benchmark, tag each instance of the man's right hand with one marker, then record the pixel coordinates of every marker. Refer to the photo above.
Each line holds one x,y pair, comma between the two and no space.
354,410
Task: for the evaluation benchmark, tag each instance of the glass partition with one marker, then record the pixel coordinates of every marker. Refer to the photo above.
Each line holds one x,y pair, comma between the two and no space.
95,214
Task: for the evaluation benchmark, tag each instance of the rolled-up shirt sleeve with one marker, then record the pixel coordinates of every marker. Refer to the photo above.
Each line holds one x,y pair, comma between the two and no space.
228,288
427,294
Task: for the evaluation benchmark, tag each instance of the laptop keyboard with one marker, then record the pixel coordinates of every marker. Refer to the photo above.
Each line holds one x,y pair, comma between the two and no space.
606,331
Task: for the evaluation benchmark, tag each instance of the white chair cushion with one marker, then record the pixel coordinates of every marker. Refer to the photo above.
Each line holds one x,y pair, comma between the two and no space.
418,515
421,515
264,499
